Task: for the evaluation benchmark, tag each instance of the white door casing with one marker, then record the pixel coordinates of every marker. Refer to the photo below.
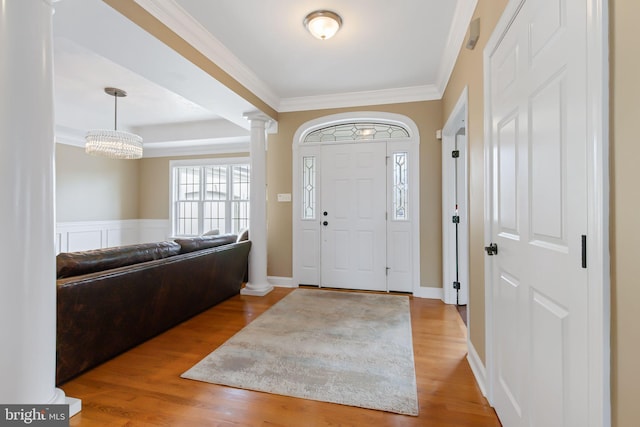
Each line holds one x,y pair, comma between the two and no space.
403,273
547,358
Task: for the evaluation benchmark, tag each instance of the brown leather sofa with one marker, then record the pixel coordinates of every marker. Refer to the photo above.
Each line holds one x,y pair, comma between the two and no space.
110,300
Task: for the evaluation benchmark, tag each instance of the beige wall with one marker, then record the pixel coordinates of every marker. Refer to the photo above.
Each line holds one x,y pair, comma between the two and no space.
154,188
154,184
625,205
92,188
468,72
428,118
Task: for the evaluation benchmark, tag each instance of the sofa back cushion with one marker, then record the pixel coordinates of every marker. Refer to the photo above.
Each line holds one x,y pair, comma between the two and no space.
190,244
77,263
244,235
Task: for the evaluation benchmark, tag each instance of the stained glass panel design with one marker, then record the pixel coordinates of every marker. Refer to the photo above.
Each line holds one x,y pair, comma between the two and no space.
400,202
308,188
357,132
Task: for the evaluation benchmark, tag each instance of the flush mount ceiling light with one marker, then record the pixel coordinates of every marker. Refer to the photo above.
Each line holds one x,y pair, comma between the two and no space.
323,24
114,144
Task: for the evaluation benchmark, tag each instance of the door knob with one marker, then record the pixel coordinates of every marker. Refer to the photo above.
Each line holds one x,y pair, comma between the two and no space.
325,223
492,249
325,213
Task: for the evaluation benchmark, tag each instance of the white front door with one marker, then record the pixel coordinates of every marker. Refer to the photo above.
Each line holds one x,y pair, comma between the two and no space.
539,216
352,216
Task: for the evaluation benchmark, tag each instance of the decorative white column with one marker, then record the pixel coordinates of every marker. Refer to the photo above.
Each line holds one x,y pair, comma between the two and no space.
258,284
27,256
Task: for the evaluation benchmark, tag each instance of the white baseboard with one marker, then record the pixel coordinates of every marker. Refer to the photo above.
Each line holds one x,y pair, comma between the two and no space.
430,293
477,367
281,282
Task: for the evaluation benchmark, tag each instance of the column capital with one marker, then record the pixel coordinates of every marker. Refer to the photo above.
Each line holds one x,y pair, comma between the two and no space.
257,116
259,119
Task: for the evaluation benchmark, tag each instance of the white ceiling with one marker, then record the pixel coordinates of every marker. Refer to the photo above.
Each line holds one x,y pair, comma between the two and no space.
386,51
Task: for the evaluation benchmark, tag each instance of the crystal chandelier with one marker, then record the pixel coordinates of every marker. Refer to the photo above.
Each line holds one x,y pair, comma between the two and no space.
114,144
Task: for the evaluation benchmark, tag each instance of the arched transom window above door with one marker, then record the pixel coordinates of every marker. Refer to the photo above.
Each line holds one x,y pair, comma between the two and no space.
355,131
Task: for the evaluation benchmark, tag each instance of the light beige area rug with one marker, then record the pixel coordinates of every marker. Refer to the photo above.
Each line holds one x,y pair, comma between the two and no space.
348,348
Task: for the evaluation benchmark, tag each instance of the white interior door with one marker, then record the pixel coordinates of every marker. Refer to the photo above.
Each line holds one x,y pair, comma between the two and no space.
539,215
352,214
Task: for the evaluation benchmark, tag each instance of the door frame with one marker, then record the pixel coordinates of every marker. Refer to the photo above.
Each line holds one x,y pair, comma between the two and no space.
414,176
457,120
598,273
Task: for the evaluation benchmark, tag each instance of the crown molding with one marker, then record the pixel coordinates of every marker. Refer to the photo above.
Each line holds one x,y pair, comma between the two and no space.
458,31
191,150
69,136
184,25
357,99
75,138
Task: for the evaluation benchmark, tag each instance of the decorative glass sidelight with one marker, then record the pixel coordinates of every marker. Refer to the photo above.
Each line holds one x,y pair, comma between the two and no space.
309,187
400,202
356,132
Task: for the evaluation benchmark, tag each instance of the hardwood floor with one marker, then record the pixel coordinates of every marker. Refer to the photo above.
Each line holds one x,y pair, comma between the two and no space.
142,387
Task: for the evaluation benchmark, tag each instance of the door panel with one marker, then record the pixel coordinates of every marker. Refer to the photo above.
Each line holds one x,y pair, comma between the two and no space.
353,249
509,372
548,162
549,354
309,250
507,142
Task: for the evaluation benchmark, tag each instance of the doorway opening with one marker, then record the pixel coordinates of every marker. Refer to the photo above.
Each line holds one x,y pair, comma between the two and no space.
455,201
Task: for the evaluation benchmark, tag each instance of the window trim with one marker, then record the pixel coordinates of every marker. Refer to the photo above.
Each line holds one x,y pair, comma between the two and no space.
230,161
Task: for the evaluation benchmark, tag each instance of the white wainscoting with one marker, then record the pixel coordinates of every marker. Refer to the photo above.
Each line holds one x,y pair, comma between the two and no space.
85,235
